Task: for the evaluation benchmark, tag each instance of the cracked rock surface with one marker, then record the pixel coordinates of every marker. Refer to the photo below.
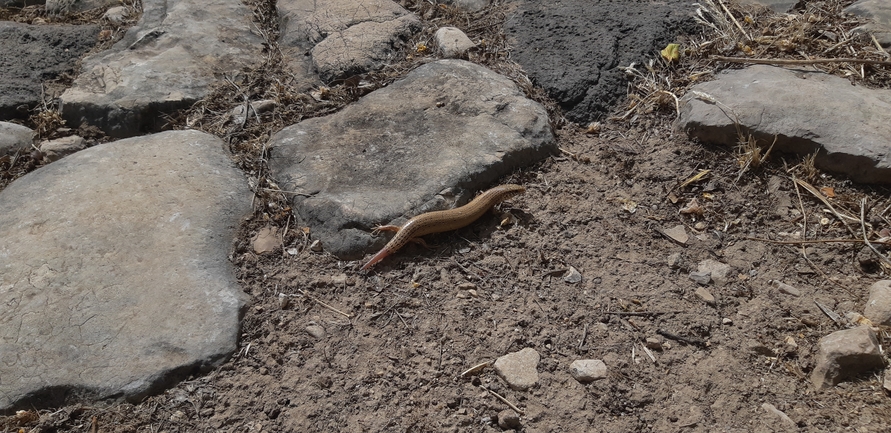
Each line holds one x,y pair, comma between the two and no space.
108,255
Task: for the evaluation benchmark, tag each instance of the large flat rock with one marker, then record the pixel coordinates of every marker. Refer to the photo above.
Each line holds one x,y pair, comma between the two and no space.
164,63
879,11
447,124
575,49
114,277
14,138
342,38
807,111
31,54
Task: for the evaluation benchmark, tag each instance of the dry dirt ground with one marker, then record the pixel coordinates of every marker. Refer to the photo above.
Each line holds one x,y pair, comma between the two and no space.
388,348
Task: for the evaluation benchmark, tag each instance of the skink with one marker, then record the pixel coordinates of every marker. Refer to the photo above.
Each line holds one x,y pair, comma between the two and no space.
444,220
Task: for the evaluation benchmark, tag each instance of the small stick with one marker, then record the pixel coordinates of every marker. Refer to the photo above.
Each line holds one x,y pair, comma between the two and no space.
639,313
879,46
650,354
475,369
803,213
865,237
584,336
797,61
671,336
734,20
815,241
516,409
829,313
348,316
841,217
285,192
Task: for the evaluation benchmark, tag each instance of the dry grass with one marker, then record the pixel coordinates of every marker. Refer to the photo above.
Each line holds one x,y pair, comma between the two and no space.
750,154
819,30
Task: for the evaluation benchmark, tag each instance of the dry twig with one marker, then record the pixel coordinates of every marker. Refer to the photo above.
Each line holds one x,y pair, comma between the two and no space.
498,396
799,61
318,301
866,237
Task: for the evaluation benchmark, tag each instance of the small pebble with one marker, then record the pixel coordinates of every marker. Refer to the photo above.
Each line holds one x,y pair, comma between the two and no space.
705,295
654,343
727,321
678,233
587,370
700,226
316,246
790,345
572,276
785,288
508,419
316,331
701,277
674,260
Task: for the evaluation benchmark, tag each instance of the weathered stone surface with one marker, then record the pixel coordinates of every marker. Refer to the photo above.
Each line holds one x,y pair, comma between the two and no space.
468,5
575,49
66,7
880,12
719,272
114,274
844,354
53,150
30,54
519,369
343,37
705,295
117,15
508,419
851,134
878,307
166,62
452,42
449,123
364,47
587,370
14,137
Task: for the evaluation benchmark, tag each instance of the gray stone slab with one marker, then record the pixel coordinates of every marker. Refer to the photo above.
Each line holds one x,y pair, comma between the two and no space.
31,54
807,111
14,137
164,63
879,11
575,49
449,123
342,38
114,272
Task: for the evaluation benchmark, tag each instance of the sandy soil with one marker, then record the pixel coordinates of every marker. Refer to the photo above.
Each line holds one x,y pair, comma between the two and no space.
395,364
326,347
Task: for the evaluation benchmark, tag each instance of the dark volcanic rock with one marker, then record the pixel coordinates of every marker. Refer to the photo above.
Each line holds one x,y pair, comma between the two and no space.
31,54
574,49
